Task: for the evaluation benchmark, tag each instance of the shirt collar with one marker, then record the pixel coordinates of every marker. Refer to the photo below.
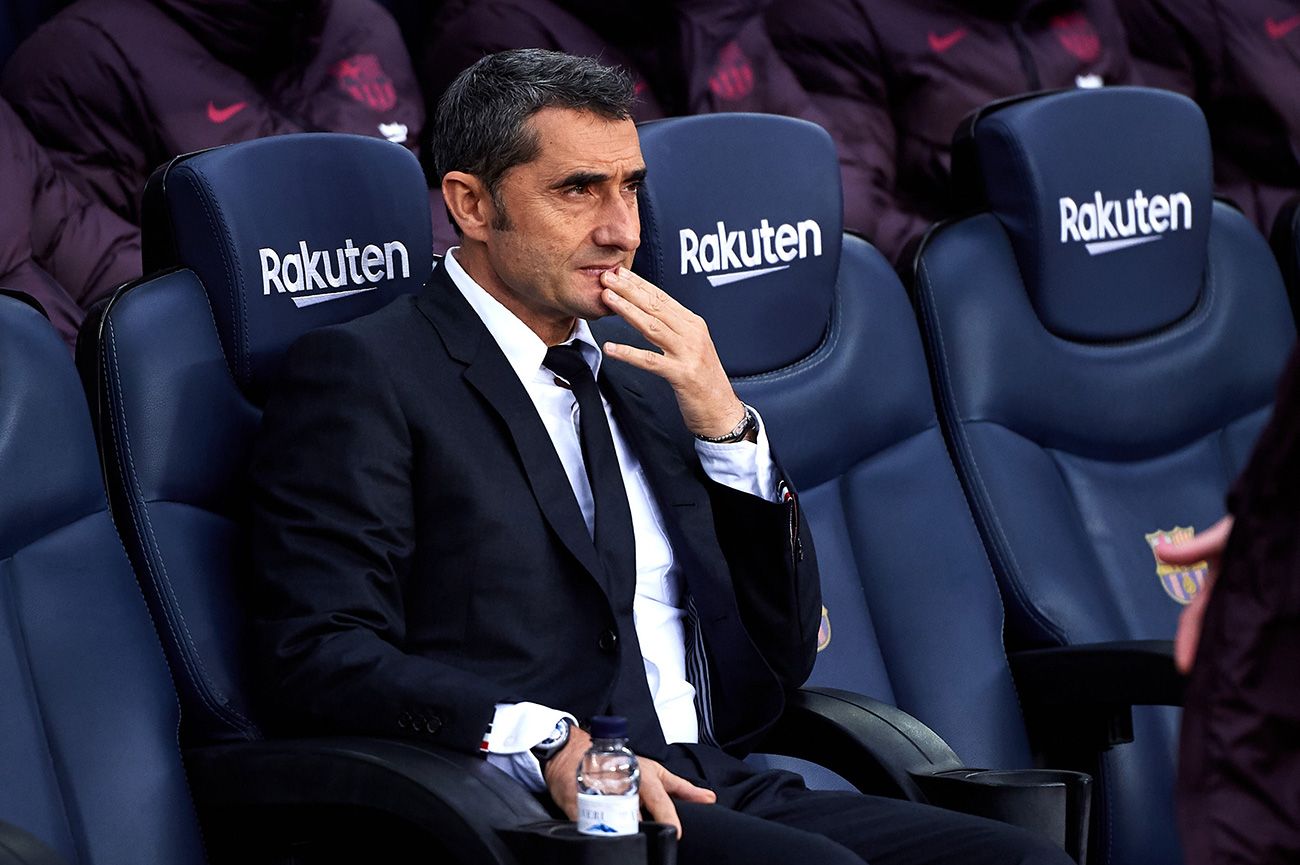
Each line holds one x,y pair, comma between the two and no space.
524,349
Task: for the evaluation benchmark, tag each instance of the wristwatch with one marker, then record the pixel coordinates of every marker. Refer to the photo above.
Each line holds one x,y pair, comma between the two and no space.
547,749
738,432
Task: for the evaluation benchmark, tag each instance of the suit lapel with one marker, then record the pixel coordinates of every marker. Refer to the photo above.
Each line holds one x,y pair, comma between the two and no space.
669,478
683,500
486,370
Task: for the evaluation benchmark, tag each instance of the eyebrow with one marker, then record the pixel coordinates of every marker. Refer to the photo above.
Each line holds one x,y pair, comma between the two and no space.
592,178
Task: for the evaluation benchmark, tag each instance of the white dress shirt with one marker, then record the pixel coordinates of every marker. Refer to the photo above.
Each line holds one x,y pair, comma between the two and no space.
658,608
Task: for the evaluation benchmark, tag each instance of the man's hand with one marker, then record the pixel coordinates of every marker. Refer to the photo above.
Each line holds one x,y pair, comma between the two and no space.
1207,546
658,786
689,361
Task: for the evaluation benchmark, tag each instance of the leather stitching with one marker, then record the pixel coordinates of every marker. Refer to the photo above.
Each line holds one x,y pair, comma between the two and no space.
157,568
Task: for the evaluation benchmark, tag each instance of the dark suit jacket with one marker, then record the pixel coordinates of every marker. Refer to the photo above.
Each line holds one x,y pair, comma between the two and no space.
420,555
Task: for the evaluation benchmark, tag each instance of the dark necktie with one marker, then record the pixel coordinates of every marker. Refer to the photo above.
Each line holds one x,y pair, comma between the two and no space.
613,536
616,547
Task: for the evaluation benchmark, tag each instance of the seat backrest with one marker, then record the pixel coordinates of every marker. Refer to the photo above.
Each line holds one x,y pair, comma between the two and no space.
265,240
1105,341
741,221
89,717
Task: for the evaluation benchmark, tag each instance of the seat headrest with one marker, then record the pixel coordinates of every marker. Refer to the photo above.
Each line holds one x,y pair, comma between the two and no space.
741,219
290,233
1106,196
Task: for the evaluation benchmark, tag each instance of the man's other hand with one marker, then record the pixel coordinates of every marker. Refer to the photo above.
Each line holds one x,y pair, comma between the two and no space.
689,361
658,786
1208,547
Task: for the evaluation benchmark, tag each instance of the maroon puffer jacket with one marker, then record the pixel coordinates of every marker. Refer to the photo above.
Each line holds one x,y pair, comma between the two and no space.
1241,61
465,30
689,56
117,87
55,243
897,76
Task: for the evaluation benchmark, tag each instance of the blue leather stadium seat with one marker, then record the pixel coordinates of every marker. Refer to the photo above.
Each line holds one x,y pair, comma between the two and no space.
252,245
741,220
91,766
1104,341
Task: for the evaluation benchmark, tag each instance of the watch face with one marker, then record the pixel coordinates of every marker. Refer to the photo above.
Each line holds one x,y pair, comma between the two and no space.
552,746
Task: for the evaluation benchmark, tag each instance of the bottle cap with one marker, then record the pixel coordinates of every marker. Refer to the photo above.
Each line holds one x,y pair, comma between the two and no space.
608,727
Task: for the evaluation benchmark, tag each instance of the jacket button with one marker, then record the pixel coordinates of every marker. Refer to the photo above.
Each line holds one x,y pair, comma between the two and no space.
432,724
404,720
608,641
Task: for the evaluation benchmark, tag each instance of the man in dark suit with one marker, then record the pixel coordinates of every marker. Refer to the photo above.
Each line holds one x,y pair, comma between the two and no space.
460,535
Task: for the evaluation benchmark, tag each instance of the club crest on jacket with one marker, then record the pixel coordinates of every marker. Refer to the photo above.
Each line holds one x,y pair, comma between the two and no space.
363,78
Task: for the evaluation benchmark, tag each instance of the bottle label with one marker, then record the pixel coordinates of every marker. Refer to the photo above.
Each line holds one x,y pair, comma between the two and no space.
608,815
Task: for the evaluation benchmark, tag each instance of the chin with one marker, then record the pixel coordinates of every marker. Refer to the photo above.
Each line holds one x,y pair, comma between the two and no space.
588,303
597,312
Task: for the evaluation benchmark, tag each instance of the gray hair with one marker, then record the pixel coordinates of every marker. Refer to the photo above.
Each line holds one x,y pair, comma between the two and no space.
480,125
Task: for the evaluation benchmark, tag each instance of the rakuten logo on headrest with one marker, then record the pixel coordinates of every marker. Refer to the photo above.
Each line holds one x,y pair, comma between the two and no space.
1109,225
740,254
307,274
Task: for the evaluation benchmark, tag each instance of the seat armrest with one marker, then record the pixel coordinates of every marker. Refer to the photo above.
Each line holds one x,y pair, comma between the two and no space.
1082,696
20,847
1129,673
882,750
1050,802
454,800
872,745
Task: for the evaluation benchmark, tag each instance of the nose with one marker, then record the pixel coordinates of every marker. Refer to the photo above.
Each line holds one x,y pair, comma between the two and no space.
618,225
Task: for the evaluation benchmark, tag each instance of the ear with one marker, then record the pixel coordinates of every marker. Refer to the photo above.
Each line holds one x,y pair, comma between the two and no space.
469,202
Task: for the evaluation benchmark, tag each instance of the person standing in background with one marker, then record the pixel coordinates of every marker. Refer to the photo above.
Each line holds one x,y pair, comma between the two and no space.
1239,772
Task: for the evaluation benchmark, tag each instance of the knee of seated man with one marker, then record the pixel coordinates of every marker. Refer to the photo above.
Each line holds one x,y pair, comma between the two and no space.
1030,848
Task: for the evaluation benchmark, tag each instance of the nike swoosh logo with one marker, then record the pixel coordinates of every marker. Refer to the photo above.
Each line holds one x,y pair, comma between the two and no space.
1104,246
940,44
221,115
728,278
1278,29
313,299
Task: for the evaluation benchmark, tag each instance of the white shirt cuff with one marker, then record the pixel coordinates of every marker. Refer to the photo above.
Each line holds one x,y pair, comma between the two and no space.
517,727
744,466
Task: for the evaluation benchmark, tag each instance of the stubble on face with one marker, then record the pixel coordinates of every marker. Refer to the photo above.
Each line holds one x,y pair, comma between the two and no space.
564,218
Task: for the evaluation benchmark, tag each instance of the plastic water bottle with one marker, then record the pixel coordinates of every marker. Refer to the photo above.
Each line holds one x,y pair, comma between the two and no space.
608,781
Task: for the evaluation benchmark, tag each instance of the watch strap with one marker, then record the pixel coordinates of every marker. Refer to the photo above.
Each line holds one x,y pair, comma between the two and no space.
738,432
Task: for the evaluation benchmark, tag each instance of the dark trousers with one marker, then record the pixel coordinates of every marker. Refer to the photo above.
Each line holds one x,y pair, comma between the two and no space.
771,817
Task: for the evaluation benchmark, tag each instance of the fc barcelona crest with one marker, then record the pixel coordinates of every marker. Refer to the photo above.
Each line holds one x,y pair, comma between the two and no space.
362,78
1077,35
733,75
1180,582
